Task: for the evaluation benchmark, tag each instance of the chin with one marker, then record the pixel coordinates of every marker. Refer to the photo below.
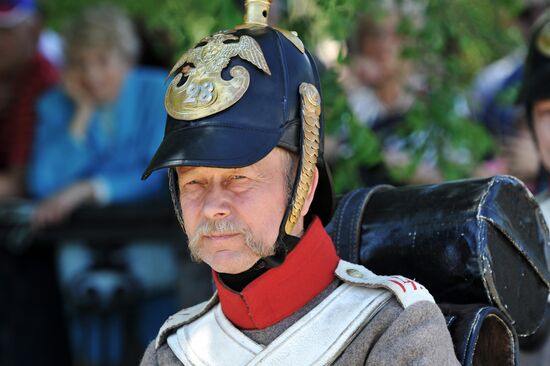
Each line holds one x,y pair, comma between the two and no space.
102,99
230,263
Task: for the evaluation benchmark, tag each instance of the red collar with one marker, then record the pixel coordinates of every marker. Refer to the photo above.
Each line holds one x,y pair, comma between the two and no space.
280,292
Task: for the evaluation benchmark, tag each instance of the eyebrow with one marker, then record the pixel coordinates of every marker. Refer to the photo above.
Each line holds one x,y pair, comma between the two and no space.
183,169
186,170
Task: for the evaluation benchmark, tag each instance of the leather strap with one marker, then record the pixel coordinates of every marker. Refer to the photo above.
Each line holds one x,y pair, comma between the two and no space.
321,336
318,338
212,340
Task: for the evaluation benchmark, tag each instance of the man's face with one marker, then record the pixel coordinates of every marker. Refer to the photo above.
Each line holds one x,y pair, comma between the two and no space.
541,124
101,72
232,216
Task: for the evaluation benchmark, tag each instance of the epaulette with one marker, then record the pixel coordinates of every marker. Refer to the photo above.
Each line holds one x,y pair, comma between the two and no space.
406,291
184,317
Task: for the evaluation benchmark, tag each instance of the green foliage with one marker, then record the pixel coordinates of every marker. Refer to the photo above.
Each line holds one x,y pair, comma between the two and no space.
187,20
454,40
362,148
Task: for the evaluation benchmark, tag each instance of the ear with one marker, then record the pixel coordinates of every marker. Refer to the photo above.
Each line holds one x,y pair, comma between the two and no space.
311,192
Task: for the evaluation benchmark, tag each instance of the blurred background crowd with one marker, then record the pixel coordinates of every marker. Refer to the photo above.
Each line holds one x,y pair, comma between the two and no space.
414,92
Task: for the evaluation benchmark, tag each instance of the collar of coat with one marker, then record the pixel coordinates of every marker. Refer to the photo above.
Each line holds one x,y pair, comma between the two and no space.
281,291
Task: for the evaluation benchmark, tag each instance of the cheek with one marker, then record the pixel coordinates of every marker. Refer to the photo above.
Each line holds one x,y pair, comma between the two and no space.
542,129
108,81
114,75
107,77
265,214
189,216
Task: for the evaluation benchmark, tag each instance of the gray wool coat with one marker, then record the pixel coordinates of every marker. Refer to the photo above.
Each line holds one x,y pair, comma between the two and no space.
395,336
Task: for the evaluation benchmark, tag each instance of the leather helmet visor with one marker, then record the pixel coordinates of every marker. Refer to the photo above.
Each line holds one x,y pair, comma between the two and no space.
213,145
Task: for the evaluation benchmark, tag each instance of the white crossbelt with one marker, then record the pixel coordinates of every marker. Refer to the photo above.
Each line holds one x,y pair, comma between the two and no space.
318,338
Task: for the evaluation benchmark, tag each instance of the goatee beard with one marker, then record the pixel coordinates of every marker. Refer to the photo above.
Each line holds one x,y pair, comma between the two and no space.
210,227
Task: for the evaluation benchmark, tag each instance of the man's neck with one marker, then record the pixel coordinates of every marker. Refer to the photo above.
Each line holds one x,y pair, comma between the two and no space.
237,282
279,292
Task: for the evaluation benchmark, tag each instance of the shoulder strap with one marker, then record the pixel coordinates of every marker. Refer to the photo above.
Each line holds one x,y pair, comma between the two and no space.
318,338
406,291
345,226
183,317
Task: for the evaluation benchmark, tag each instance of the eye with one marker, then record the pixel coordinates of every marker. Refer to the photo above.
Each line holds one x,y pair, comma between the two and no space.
192,182
237,182
192,187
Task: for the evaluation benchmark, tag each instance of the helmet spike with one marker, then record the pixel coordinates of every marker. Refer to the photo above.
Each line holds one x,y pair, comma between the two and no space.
256,12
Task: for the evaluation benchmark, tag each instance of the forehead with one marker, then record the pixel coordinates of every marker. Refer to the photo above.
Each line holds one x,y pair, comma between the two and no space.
92,53
274,161
542,104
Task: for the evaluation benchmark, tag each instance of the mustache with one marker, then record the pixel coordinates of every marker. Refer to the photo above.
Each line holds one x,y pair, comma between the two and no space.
210,227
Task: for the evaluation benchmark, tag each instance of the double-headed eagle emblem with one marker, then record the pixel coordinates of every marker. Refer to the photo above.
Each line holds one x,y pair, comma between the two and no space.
205,92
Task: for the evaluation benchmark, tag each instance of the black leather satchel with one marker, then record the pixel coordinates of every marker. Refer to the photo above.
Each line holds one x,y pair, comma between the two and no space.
481,335
469,241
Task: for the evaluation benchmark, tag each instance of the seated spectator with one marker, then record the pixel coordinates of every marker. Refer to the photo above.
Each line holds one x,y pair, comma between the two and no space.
492,103
96,131
381,86
534,97
19,89
379,83
31,316
95,134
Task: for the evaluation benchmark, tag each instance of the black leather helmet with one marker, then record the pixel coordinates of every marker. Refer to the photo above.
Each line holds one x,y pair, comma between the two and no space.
239,94
535,85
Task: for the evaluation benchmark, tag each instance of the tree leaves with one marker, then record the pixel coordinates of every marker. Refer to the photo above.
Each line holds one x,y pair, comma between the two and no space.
449,42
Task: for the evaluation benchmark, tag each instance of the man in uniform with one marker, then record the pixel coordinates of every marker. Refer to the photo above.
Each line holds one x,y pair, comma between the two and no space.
535,97
244,148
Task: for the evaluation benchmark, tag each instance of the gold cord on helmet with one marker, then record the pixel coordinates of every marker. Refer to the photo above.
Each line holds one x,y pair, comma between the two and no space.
543,40
311,111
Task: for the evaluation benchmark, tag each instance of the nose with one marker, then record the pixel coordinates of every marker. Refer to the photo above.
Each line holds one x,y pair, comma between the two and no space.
217,203
91,73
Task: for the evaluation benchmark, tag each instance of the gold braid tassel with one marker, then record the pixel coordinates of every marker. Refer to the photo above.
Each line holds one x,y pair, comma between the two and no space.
311,111
543,40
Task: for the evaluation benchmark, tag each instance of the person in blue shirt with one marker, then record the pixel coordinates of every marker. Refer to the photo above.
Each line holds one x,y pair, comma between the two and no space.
96,132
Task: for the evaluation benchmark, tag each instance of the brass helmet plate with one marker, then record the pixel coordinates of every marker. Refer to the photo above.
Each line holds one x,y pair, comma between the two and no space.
205,92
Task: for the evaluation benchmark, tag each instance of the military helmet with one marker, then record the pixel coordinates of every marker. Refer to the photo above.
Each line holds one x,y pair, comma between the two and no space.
236,96
536,74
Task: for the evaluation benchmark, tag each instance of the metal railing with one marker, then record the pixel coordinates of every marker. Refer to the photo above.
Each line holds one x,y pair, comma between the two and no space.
106,230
